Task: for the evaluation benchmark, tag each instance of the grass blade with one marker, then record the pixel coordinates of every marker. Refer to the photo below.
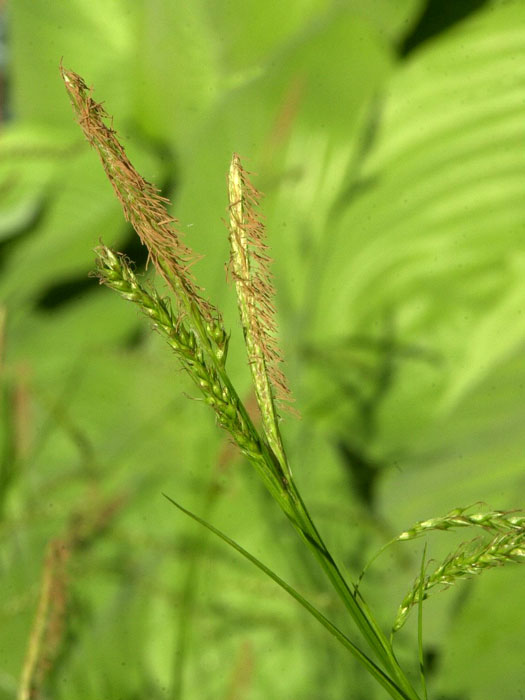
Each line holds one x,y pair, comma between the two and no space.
379,675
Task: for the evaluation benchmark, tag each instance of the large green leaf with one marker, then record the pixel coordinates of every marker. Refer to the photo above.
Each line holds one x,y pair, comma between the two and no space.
435,237
94,37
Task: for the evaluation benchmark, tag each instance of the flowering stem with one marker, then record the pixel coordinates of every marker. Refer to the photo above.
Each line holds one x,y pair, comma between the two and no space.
196,333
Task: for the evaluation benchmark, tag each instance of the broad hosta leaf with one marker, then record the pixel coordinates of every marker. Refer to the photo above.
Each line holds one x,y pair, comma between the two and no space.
30,156
177,68
435,239
93,36
297,104
473,643
83,209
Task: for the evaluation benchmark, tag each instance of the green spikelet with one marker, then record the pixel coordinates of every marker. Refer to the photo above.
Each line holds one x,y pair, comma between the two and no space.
493,521
470,559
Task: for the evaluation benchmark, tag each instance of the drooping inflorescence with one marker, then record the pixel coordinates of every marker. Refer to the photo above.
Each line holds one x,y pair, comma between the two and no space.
494,521
470,559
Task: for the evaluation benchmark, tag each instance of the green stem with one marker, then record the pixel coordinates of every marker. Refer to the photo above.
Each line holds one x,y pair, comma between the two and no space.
384,680
283,489
356,607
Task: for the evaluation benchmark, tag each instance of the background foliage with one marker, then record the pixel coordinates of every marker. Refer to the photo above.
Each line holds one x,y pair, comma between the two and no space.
388,137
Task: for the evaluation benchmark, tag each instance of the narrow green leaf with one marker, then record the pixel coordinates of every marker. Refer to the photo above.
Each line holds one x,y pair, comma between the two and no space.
378,674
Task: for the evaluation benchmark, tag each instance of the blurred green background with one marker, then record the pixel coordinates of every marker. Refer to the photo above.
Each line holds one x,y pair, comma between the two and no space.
389,139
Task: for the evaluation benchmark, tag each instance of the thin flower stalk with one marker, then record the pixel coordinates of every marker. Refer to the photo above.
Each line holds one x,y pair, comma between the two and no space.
469,560
52,623
249,264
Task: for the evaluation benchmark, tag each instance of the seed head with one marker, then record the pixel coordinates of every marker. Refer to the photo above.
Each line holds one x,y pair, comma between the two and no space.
141,202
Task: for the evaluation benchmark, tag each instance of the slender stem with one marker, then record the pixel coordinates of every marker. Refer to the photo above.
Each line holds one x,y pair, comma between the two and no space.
356,607
420,626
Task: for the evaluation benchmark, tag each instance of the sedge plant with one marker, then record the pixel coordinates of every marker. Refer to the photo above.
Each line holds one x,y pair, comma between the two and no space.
193,327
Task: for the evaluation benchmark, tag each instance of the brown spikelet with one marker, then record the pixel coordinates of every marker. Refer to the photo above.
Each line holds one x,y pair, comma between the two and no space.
141,202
